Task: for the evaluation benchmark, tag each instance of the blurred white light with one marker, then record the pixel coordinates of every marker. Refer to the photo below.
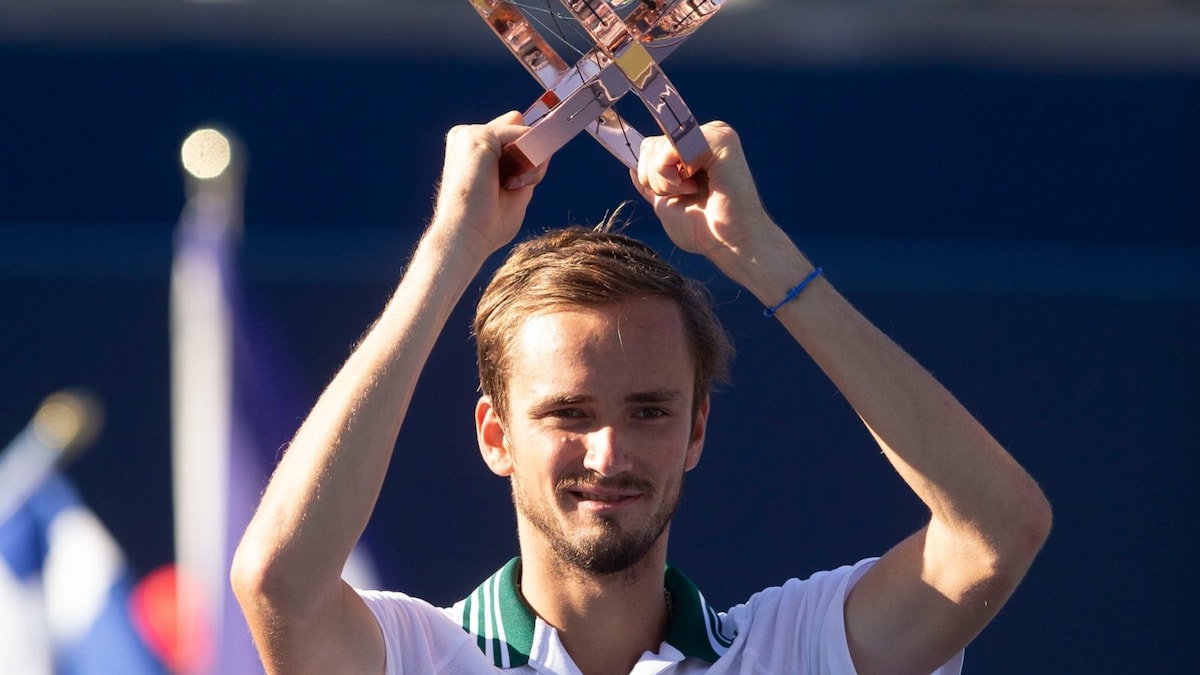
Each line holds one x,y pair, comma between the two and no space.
206,153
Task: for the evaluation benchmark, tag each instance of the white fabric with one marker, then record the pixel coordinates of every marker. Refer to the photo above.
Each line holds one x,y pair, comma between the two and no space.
797,628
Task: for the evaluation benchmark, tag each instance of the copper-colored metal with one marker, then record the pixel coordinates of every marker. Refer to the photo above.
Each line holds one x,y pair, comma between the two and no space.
625,57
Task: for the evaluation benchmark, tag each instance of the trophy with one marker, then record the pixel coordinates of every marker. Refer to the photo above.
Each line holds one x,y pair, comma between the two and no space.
624,56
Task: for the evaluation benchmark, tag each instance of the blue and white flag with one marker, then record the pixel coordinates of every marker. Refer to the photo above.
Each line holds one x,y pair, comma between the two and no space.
64,591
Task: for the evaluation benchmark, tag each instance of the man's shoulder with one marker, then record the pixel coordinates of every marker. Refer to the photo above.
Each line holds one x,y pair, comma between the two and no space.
819,590
395,605
419,637
804,609
795,627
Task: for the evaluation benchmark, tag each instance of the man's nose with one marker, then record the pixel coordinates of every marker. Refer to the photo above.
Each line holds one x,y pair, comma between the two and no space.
605,455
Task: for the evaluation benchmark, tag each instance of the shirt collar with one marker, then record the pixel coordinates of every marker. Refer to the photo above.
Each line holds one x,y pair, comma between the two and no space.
503,625
695,628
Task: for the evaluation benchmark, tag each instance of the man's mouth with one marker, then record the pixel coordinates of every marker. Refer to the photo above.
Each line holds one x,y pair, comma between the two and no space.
603,493
602,497
605,496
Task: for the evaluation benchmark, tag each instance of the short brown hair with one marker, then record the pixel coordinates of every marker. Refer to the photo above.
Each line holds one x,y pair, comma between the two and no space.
582,267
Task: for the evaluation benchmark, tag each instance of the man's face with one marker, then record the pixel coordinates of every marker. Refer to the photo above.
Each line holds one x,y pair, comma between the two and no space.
601,429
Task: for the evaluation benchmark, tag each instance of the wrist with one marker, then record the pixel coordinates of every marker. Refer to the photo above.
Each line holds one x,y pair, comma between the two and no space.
768,265
793,293
453,256
458,243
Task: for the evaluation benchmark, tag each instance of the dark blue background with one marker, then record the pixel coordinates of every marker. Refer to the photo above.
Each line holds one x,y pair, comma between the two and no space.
1029,235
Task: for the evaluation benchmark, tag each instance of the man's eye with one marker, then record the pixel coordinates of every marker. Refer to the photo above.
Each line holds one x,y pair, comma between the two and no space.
651,413
567,413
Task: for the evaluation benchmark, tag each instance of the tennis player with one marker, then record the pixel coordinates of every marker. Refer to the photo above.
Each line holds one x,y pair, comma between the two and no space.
596,359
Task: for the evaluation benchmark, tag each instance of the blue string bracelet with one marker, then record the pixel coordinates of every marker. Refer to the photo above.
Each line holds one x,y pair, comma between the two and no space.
792,294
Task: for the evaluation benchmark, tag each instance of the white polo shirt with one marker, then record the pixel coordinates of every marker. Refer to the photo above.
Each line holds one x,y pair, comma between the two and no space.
790,629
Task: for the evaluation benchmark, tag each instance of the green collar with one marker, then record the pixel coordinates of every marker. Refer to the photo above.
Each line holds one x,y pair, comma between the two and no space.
503,625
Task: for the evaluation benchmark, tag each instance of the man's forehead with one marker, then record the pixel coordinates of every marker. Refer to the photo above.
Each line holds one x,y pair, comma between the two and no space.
645,333
556,320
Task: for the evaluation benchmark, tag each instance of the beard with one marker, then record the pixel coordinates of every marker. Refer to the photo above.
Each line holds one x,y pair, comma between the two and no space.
606,547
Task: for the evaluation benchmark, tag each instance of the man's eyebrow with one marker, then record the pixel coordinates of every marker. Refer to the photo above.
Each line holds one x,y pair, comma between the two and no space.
655,396
555,400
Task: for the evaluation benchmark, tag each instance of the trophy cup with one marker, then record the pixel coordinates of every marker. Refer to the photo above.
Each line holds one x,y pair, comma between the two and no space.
624,56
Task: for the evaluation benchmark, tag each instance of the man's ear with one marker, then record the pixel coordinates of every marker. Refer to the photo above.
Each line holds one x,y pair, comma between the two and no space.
493,439
699,429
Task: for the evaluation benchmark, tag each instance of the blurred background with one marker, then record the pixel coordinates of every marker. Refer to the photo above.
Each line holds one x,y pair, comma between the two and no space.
1010,189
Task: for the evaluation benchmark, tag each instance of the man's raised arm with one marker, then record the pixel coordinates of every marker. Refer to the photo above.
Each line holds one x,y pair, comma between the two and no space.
287,569
932,593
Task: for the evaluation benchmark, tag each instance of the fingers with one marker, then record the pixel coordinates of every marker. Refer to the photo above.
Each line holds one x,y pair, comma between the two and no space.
658,169
514,174
508,127
513,178
480,150
511,117
494,134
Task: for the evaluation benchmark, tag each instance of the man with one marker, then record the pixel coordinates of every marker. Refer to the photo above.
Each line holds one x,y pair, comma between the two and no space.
595,403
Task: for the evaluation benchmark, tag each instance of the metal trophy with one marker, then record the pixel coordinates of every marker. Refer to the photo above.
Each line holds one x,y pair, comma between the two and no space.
625,56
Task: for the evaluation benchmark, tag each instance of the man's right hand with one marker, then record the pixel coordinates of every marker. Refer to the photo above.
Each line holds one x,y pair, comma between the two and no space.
472,200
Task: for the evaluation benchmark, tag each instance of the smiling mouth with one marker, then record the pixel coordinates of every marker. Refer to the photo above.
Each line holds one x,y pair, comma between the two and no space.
607,498
602,492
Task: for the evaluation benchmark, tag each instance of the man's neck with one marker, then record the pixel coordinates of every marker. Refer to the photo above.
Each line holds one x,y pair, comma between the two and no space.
605,622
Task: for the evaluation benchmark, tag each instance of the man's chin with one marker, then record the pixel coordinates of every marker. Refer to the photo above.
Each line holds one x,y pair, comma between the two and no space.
607,553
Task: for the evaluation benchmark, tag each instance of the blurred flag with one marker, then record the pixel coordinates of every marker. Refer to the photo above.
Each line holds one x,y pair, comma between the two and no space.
230,410
64,590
